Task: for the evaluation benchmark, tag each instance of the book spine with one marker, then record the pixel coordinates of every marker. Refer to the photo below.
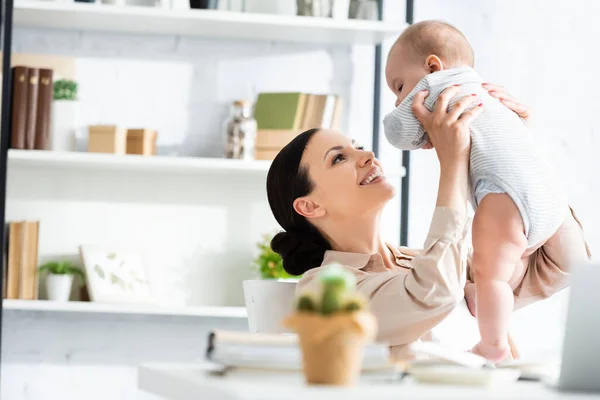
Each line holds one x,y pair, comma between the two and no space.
15,259
29,275
19,107
32,102
42,125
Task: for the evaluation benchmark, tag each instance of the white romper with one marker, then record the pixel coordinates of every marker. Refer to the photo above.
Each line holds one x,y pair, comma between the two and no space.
504,156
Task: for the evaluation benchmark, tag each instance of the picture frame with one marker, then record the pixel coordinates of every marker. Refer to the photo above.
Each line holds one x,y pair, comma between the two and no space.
115,276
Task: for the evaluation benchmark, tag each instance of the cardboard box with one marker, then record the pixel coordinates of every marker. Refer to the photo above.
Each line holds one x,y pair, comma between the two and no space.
107,139
274,138
266,154
141,141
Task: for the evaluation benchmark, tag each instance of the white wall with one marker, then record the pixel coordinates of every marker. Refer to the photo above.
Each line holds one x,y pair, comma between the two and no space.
542,52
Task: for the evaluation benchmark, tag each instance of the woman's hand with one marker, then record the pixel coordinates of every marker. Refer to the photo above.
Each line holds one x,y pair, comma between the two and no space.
448,131
500,93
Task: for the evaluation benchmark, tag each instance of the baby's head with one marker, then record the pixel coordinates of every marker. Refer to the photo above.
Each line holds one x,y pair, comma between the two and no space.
424,48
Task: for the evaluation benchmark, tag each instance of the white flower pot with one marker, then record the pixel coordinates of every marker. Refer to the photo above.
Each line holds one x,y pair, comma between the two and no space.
63,125
268,302
59,287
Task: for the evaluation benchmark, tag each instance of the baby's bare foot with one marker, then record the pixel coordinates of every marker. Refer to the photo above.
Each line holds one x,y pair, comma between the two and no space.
492,352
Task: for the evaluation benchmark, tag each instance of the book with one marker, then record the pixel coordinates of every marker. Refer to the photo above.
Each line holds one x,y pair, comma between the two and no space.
16,231
28,288
42,125
32,103
276,351
280,110
19,107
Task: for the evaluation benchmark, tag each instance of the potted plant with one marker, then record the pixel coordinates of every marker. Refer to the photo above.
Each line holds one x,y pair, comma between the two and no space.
65,115
270,298
60,279
333,328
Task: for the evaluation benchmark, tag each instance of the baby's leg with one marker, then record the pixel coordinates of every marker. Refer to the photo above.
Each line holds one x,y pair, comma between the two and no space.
499,242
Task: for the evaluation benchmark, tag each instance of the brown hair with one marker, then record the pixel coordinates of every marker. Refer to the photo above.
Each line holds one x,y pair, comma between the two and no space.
438,38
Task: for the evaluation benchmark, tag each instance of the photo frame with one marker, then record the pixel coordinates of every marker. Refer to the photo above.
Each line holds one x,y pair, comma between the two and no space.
115,276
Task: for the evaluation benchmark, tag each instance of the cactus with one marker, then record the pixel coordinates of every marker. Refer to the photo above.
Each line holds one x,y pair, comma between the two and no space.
338,294
336,283
354,303
306,303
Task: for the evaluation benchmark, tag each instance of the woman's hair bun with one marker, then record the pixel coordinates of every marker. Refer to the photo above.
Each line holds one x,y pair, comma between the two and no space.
300,251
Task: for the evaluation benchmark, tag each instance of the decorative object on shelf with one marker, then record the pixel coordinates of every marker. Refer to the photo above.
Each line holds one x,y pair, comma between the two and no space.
31,100
64,119
268,263
269,299
282,116
22,260
240,131
364,9
141,141
315,8
60,279
107,139
115,276
341,9
204,4
333,327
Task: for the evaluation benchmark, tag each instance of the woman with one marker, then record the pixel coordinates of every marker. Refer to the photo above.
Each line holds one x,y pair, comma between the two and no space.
328,195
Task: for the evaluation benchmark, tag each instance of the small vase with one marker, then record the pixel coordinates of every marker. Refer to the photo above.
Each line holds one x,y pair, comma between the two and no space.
59,287
364,9
315,8
333,346
63,125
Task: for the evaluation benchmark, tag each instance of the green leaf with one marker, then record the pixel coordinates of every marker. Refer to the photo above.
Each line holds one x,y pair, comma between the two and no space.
99,271
61,268
111,256
64,89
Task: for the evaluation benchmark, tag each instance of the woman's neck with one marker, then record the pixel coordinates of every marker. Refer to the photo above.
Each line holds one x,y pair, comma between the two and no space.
357,236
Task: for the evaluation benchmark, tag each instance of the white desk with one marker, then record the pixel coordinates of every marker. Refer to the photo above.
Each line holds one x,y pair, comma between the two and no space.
180,382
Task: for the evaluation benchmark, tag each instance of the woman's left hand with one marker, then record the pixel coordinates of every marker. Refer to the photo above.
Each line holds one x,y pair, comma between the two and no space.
500,93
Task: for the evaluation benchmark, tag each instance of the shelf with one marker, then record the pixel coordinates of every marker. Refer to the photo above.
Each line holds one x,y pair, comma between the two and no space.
82,161
98,308
207,23
181,165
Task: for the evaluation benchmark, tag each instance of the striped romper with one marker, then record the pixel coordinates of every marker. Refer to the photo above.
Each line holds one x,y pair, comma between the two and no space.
504,156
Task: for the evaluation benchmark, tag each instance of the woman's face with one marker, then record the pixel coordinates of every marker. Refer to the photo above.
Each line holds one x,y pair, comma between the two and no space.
348,180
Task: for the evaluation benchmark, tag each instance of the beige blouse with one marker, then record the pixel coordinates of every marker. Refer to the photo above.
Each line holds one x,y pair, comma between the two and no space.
426,285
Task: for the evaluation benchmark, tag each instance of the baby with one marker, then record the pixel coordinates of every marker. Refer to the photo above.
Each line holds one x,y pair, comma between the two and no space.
518,203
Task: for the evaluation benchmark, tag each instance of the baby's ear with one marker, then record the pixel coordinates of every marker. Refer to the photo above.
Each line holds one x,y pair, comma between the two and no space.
433,64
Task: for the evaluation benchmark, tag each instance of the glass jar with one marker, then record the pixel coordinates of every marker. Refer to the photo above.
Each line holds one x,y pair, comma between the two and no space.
364,9
240,132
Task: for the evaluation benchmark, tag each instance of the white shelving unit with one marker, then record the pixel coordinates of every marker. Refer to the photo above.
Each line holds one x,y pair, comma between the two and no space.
123,163
82,161
98,308
206,23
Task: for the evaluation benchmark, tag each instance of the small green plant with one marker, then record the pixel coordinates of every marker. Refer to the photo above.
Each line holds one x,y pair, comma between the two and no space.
268,263
65,89
338,294
62,268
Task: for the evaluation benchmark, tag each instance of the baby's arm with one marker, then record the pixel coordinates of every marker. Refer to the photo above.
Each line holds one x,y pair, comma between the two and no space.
402,129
